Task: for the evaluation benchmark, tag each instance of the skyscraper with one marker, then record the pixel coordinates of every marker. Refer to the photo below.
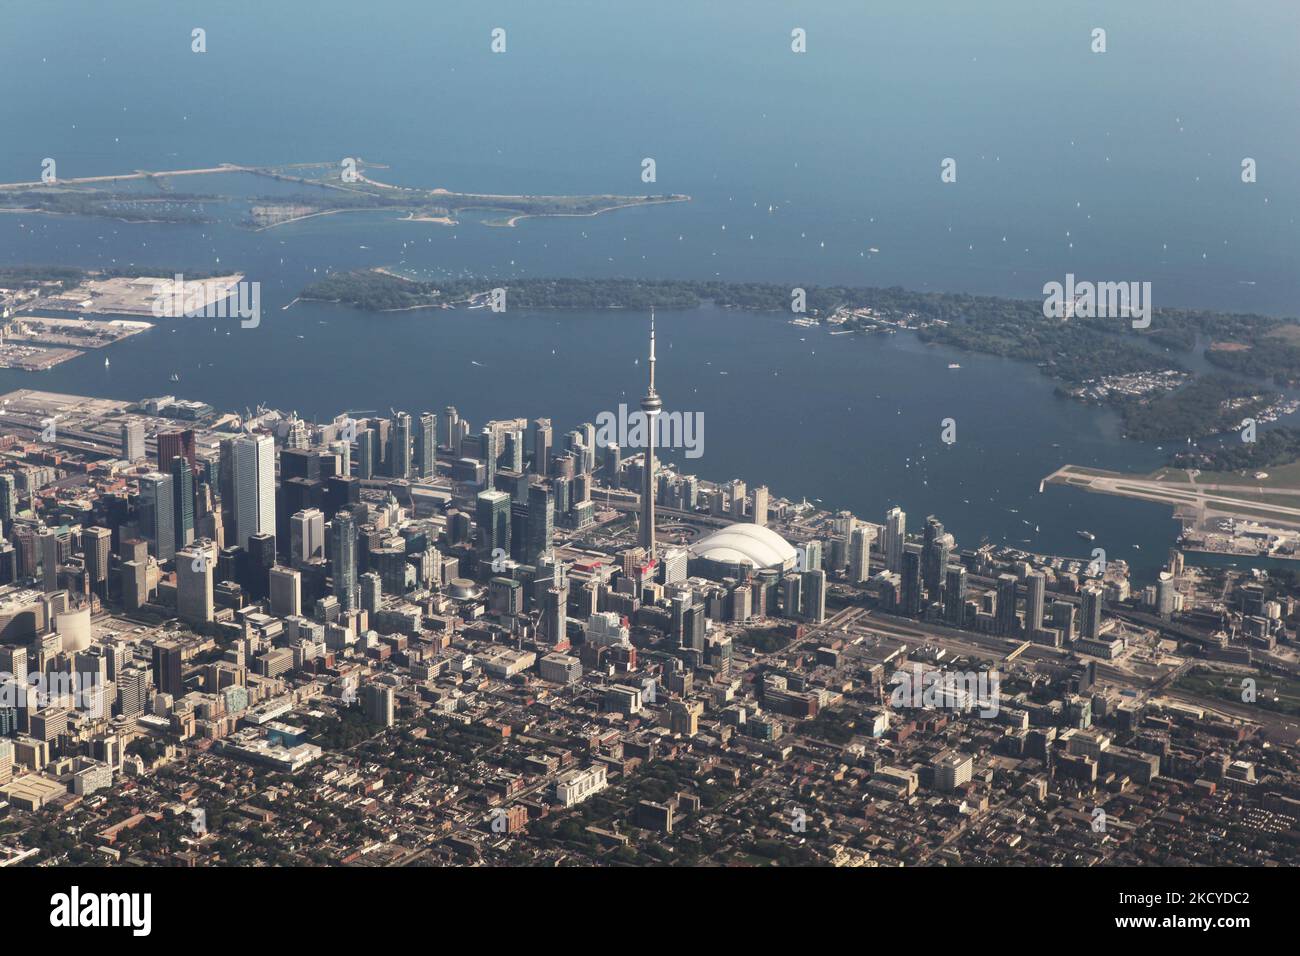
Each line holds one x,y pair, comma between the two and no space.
381,445
552,625
343,452
490,454
518,531
810,556
372,590
814,595
426,446
542,437
195,566
541,523
176,444
343,558
258,564
842,526
167,672
49,547
454,429
895,536
954,596
133,440
1090,626
792,595
860,554
1006,610
1166,595
365,453
306,536
562,489
610,465
492,516
226,488
297,436
135,584
514,451
399,450
95,545
1035,598
182,500
911,574
8,500
8,562
1063,617
254,460
738,491
935,559
377,703
157,514
651,405
286,591
760,505
28,557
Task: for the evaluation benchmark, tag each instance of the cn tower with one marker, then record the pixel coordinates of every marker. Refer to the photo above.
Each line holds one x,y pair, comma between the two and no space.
650,407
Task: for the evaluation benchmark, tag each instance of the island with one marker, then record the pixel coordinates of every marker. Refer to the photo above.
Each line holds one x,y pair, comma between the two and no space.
325,189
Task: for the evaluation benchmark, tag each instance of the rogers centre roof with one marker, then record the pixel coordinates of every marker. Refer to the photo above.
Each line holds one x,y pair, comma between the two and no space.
749,544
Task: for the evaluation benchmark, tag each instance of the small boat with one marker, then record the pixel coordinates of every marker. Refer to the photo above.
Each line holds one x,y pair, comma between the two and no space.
953,365
105,361
1086,535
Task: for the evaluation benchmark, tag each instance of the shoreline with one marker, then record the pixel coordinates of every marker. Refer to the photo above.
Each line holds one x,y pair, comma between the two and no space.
513,220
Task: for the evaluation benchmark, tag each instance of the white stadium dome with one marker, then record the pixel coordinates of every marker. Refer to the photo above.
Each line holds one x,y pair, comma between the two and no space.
747,544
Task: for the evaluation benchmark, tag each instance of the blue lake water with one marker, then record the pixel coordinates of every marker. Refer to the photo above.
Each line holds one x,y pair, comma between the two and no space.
1122,165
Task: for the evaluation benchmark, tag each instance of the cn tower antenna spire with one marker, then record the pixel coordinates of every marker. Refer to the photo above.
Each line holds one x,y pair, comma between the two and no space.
652,350
651,405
